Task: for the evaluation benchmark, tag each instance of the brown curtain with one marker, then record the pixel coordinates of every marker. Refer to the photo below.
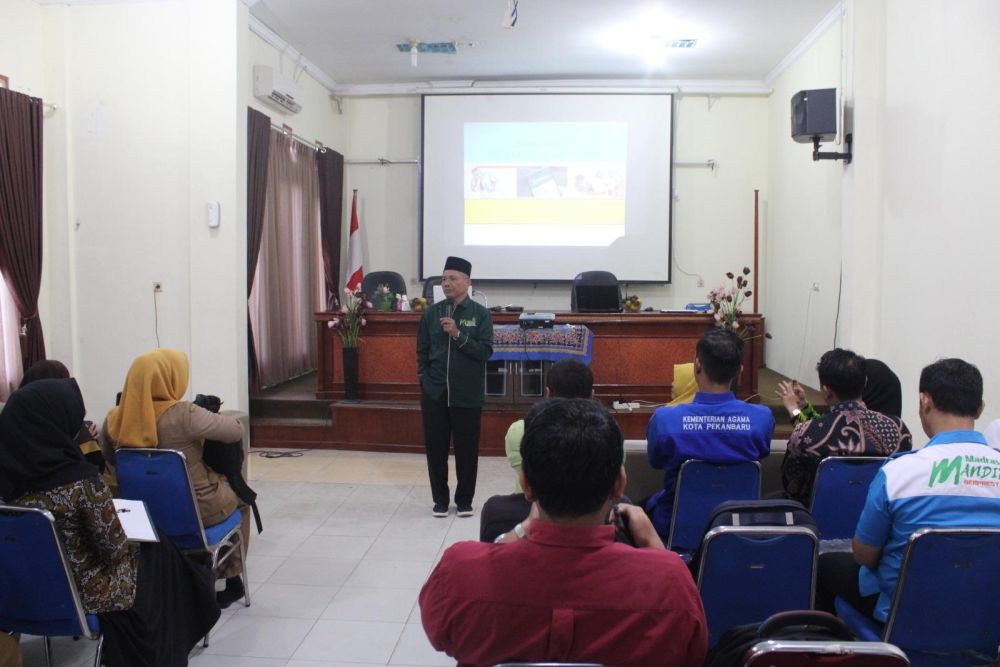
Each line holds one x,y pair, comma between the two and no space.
21,210
330,166
258,143
288,287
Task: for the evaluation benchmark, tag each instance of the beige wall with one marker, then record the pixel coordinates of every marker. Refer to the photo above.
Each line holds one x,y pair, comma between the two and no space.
913,218
712,217
803,229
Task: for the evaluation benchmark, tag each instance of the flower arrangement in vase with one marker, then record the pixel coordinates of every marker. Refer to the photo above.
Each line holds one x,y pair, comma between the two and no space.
351,317
385,300
726,304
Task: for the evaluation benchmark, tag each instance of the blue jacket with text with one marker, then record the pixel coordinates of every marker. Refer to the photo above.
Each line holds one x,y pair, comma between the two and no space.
717,428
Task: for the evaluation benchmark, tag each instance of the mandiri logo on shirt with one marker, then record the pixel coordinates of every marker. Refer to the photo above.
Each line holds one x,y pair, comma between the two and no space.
966,470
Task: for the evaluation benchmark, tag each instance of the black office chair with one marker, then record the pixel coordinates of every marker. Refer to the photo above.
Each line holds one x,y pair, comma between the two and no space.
371,281
596,292
429,285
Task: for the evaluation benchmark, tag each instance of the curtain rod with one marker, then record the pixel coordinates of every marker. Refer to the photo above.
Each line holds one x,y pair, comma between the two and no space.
711,164
288,133
382,161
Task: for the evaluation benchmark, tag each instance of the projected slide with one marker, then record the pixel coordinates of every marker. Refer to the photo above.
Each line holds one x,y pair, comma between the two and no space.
545,183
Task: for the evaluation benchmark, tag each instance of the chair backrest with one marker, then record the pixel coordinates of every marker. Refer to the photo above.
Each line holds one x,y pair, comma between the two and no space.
946,598
38,595
748,573
839,493
791,653
429,287
595,292
159,477
700,487
371,281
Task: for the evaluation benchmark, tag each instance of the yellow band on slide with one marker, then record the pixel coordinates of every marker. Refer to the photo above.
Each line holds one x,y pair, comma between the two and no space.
545,211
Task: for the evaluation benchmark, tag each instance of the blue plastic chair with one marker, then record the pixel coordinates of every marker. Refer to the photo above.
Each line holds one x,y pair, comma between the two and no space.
945,610
748,573
839,493
159,477
38,595
700,487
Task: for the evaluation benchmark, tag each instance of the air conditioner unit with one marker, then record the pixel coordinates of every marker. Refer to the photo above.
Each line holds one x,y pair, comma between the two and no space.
273,87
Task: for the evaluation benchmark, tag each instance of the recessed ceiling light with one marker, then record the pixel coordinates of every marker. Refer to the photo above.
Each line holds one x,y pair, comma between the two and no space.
650,35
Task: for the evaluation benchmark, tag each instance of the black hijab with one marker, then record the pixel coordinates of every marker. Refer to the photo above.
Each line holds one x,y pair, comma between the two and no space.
44,369
882,392
37,447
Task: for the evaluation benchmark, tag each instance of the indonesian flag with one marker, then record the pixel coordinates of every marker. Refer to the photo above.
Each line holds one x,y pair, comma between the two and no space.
354,271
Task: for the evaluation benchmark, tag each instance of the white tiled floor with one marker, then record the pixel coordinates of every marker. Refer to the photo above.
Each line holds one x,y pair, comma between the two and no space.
349,540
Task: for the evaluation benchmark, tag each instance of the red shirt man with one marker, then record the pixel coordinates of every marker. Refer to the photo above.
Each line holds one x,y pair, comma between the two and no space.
566,591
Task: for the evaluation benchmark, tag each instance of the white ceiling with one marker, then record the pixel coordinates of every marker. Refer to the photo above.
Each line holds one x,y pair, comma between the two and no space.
353,41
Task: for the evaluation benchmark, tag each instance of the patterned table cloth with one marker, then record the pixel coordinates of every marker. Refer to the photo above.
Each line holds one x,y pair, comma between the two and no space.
563,341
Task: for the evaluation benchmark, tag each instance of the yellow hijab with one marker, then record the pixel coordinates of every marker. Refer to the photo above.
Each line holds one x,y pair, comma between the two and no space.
684,387
156,381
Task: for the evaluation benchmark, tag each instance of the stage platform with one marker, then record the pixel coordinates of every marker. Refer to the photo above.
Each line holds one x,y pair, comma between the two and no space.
290,416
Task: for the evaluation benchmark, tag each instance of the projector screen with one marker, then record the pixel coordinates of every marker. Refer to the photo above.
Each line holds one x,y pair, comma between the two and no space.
545,186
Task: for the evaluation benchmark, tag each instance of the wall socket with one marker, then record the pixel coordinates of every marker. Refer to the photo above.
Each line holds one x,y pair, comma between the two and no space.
157,286
701,282
815,287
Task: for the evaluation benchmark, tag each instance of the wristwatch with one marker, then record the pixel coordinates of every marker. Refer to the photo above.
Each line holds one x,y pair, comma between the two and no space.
518,530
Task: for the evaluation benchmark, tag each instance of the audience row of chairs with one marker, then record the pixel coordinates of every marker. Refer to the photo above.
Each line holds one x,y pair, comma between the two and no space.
39,594
838,496
943,610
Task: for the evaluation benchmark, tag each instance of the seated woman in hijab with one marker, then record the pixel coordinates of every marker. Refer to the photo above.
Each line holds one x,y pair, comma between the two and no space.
153,603
152,414
87,437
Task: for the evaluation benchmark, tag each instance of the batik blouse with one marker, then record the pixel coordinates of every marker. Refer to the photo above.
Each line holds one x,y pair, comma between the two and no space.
104,566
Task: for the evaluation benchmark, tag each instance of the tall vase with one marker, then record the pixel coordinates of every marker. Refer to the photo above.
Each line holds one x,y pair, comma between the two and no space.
350,373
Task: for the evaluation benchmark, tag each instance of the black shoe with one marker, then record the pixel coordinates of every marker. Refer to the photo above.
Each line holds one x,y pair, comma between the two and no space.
440,511
234,591
464,510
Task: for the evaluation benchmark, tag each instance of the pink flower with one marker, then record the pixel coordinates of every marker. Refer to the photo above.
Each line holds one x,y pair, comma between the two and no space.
718,317
332,324
368,304
347,290
343,309
364,322
736,324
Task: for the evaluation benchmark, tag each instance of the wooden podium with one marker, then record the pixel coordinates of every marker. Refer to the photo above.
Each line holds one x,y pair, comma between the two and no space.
633,359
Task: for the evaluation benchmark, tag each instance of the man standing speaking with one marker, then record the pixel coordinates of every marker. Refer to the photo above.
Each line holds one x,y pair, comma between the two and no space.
453,343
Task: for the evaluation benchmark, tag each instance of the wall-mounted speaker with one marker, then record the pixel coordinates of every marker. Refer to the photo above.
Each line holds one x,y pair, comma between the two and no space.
814,114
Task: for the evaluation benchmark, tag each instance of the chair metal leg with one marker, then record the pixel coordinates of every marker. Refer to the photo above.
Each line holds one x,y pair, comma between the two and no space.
100,649
204,641
246,580
47,643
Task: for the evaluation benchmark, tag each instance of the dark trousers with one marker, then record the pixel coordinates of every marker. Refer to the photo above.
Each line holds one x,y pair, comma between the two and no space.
442,425
838,577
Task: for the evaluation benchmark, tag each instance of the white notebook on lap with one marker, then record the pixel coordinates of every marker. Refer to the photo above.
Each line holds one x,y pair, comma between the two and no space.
135,521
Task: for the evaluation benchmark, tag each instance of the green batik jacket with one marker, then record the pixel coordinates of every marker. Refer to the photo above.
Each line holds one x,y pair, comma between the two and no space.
458,365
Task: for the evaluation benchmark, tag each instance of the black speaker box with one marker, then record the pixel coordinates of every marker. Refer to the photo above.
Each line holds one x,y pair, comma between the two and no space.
814,114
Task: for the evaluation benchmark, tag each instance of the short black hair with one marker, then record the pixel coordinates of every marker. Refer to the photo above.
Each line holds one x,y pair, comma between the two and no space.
844,372
955,386
720,352
570,378
572,451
